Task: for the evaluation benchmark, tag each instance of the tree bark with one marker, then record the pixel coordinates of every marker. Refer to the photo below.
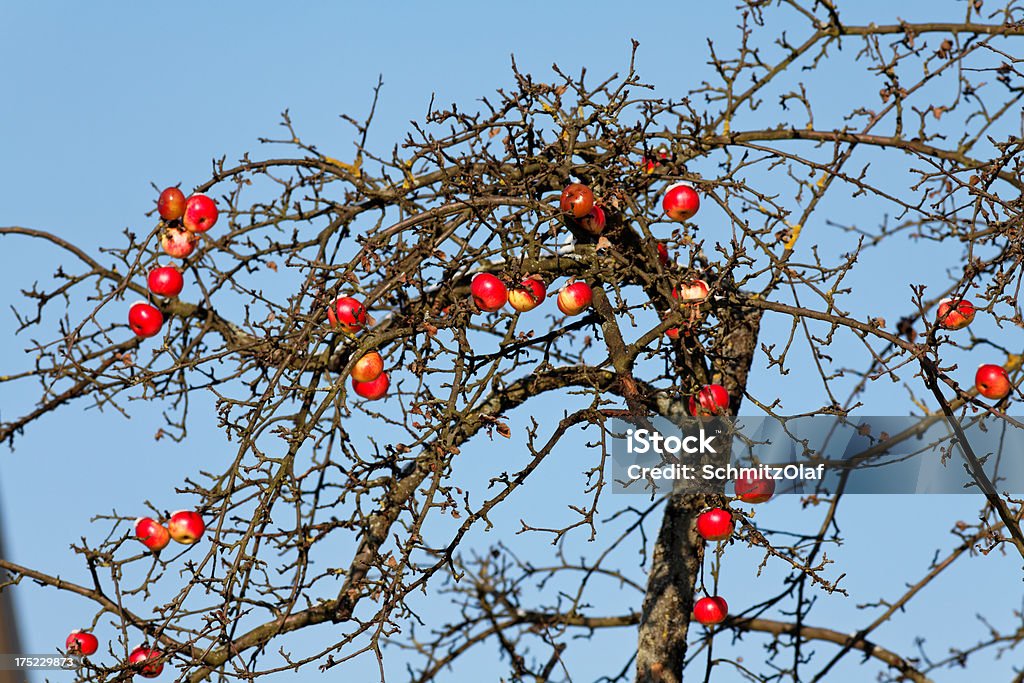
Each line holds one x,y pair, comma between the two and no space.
665,619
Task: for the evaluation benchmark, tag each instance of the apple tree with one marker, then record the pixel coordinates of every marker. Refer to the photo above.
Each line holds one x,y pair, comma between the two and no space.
405,346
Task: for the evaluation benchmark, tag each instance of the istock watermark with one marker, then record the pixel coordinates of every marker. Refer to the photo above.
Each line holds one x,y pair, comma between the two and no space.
818,454
646,441
710,473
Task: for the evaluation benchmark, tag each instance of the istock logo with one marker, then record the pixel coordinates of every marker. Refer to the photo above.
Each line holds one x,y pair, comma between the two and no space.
642,441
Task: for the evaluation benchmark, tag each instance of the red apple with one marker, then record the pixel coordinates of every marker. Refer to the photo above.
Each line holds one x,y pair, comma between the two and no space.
711,611
694,291
715,524
186,527
680,202
712,399
594,221
662,253
489,292
145,320
528,295
200,213
955,314
368,368
152,534
577,199
992,382
347,314
374,389
575,298
171,204
177,242
147,661
165,281
754,487
81,643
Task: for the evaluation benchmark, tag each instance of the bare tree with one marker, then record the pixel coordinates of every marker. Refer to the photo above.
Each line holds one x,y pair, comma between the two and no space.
319,472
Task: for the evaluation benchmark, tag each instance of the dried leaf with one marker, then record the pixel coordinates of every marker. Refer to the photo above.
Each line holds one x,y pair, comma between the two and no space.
355,168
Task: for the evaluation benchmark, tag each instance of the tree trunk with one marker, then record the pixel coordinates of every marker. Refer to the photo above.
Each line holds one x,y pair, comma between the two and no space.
665,620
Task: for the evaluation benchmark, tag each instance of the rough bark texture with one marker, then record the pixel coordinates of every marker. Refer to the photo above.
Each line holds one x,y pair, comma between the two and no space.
675,563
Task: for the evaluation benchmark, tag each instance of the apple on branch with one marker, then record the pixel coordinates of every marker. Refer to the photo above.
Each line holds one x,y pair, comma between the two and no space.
152,534
715,524
489,292
200,213
374,389
575,298
955,314
594,222
368,368
710,610
186,527
712,399
81,643
681,202
177,242
145,319
527,295
992,382
347,313
752,487
171,204
577,200
146,661
165,281
662,253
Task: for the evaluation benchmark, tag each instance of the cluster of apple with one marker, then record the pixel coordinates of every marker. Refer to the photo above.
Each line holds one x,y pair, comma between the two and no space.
680,203
184,220
490,294
582,211
991,381
184,526
146,659
368,377
717,524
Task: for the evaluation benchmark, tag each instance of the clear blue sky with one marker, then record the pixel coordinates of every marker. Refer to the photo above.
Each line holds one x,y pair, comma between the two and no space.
100,101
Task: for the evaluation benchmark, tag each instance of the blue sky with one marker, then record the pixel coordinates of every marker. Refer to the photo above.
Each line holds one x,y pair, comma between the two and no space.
99,102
